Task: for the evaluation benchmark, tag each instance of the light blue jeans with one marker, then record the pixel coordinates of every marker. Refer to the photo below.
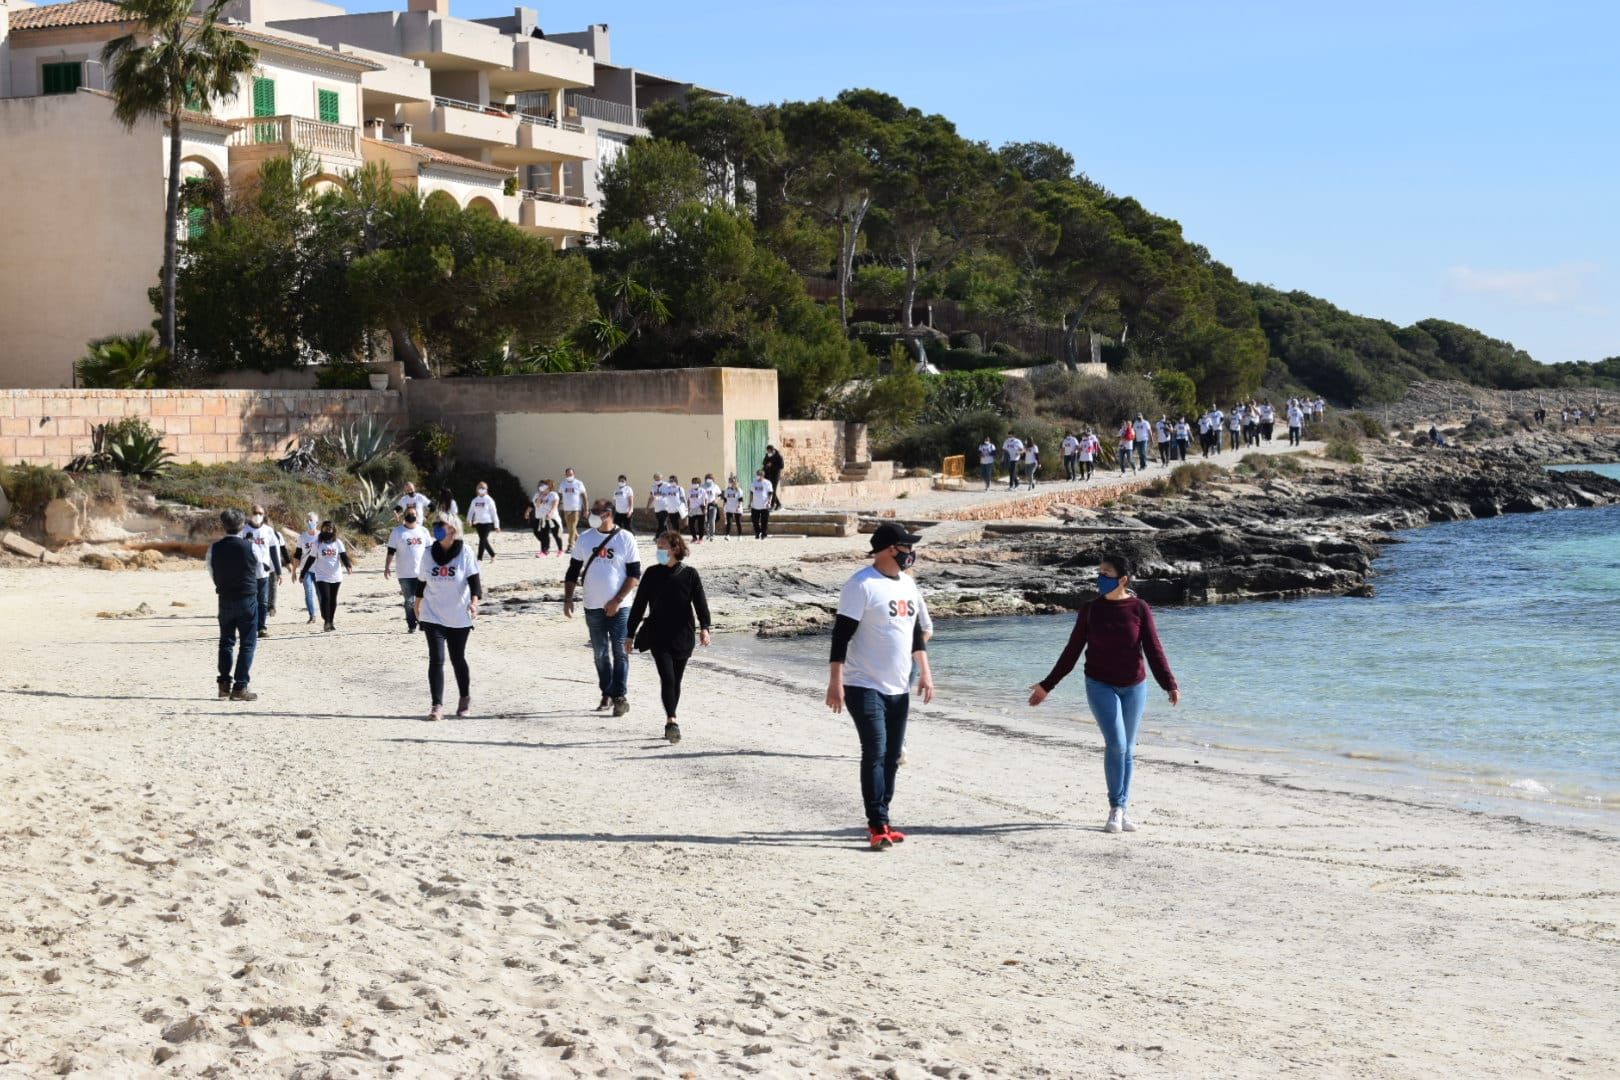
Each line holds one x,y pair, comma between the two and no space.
1118,710
310,603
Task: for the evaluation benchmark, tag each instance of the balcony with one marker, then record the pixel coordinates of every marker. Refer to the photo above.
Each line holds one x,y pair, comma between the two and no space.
464,127
556,217
452,44
613,112
542,139
543,65
335,146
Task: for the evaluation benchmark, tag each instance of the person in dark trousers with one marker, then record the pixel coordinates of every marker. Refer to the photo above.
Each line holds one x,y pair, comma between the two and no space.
328,560
447,593
762,493
877,639
669,603
607,565
485,518
235,570
1115,630
773,467
266,542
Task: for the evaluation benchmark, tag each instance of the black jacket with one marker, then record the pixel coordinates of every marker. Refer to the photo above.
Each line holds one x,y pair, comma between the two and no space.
235,568
673,593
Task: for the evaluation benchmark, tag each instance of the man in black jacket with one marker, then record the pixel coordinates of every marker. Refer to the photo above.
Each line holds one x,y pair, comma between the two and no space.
773,466
235,569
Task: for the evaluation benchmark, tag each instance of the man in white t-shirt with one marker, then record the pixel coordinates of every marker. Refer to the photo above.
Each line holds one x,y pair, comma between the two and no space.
1296,422
987,462
573,495
606,561
1071,457
624,504
877,638
1013,448
267,550
411,498
1032,462
406,545
1143,431
759,505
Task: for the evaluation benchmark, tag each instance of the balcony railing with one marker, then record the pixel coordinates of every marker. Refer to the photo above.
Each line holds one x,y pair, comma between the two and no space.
471,106
553,197
614,112
301,133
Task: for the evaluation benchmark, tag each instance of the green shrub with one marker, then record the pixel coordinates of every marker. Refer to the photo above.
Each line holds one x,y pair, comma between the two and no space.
956,392
371,512
433,447
926,445
1266,466
969,360
286,496
1004,350
392,469
361,443
133,448
1178,392
343,375
1343,449
123,362
31,487
1105,402
1370,427
462,478
968,341
1192,475
887,403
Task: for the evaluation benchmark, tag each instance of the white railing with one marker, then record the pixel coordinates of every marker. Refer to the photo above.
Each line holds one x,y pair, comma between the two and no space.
299,132
543,121
553,197
615,112
471,106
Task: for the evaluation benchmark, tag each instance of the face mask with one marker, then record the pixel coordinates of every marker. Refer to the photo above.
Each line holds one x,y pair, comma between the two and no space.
410,519
543,488
1106,584
483,491
905,559
328,537
663,557
595,521
257,519
440,532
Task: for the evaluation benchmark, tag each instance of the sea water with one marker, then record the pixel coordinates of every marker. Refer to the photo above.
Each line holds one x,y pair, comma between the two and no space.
1487,663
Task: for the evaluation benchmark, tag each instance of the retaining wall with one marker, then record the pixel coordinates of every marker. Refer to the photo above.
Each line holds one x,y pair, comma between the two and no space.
1038,504
205,426
822,445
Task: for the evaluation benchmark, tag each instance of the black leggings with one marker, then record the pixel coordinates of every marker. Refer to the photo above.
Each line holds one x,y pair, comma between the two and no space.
327,592
696,522
671,668
546,531
437,638
734,520
762,523
484,528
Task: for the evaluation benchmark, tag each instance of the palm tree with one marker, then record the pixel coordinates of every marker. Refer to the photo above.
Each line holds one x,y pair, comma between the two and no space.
123,362
172,57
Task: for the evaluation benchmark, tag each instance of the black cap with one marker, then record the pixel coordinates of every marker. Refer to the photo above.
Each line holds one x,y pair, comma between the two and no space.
888,536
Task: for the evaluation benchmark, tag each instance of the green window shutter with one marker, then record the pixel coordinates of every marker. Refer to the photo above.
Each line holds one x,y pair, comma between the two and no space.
264,97
62,78
329,106
196,220
194,100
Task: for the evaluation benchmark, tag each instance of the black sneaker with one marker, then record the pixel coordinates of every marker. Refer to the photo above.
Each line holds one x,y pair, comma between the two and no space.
606,703
621,706
224,688
242,693
672,732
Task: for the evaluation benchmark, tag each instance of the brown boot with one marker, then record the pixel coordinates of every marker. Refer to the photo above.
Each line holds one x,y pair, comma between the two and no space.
242,693
224,688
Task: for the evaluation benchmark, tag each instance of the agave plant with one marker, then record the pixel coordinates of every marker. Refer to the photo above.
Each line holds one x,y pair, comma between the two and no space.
124,362
361,443
373,512
136,451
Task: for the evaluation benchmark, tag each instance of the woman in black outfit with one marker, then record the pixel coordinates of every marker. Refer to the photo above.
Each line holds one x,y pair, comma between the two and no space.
668,596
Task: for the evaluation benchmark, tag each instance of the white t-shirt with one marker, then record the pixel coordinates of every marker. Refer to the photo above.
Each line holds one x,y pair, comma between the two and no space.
418,500
712,488
888,610
481,511
734,500
1014,448
1237,422
1032,454
328,561
607,571
447,594
572,490
624,500
263,538
1295,417
306,545
448,511
1071,446
697,498
987,453
761,499
1144,431
1162,430
408,545
1089,447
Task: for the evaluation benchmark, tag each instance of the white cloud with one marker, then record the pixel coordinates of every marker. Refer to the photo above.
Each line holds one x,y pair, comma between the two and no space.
1549,286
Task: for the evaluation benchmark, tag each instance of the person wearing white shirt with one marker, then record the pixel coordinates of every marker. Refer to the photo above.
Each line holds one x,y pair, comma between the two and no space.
1296,421
1268,420
1183,438
1234,428
411,498
1071,457
327,562
485,518
573,494
734,503
543,512
1162,433
759,505
655,503
987,462
711,507
877,641
447,588
1032,463
1014,449
607,565
267,550
306,540
697,504
1144,436
407,544
1090,447
624,504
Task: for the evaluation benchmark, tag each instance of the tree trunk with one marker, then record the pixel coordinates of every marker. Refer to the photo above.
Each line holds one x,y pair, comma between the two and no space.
843,274
171,228
406,352
911,289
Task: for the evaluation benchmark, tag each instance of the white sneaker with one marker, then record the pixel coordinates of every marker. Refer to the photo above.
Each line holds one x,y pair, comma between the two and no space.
1116,817
1125,823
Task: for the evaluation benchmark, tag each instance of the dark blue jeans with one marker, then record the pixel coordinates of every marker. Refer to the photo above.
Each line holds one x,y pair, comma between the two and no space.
238,619
880,720
263,604
607,646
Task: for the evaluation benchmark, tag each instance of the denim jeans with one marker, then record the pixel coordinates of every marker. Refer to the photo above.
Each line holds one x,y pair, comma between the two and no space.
607,646
263,605
1141,452
407,588
1118,710
238,620
987,471
880,720
310,603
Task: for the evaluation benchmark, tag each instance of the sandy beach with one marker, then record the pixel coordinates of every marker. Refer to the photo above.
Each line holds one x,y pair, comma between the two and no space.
321,884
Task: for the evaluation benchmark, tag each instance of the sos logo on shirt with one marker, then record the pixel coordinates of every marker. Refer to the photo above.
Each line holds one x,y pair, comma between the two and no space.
442,572
902,609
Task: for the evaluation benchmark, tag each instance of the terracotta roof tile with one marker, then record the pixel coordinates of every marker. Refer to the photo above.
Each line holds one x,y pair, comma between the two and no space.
439,157
73,13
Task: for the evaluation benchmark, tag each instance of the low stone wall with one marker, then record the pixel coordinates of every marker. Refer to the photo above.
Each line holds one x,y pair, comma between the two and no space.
822,445
856,495
1038,504
205,426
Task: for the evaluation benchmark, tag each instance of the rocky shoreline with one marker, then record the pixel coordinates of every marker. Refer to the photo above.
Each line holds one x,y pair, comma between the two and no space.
1275,529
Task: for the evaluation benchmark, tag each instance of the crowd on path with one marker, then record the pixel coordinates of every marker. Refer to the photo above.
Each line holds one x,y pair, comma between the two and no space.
879,646
1166,441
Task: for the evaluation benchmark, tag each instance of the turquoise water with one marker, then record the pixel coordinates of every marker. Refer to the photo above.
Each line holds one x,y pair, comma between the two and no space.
1489,656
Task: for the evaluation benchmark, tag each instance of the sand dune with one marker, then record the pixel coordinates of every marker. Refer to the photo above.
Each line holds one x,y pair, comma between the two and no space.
320,884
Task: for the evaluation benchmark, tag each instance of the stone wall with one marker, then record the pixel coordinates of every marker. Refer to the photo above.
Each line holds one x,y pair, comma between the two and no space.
206,426
822,445
1038,503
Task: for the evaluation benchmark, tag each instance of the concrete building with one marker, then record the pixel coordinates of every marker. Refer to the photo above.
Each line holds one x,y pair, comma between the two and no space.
460,110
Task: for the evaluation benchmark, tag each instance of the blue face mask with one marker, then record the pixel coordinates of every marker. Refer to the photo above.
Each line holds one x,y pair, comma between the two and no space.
1106,584
663,557
439,532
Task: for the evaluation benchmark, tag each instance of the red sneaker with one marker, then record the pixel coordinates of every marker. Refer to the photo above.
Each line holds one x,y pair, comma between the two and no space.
880,838
896,835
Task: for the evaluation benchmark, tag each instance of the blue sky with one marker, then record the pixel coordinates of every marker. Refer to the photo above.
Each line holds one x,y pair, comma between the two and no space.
1403,160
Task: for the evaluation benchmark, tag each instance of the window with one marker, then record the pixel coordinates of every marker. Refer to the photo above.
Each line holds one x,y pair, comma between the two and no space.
62,78
196,221
328,101
264,104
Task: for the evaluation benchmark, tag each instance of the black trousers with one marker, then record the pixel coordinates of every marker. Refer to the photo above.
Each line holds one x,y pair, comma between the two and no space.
762,523
327,592
671,669
734,519
662,519
439,639
484,528
776,484
546,531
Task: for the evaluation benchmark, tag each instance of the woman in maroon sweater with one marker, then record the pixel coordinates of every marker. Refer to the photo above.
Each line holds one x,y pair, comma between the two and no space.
1115,631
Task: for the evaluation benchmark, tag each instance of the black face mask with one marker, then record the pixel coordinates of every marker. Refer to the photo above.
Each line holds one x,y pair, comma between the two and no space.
410,519
328,537
905,559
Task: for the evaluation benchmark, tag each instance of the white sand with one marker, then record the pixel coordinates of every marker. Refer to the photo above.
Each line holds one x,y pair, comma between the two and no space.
321,884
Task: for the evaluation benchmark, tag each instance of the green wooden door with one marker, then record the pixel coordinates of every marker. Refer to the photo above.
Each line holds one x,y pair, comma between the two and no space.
751,438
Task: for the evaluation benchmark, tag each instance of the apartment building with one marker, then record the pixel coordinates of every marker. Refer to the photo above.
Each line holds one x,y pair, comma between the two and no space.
491,115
